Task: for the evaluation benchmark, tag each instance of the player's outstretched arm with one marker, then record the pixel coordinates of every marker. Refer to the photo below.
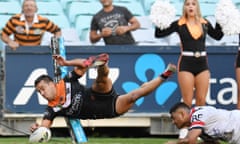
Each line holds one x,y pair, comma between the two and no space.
45,123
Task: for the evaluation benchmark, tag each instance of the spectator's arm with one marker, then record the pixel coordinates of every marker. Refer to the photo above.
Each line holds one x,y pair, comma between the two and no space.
11,43
134,24
94,36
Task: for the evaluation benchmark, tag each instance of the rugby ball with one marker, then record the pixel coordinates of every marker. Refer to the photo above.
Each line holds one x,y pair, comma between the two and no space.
41,134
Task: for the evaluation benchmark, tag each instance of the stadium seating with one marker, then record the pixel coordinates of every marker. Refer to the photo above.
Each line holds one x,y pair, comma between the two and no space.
147,5
146,37
9,8
135,7
145,22
82,23
207,9
49,8
61,20
178,6
3,20
209,1
82,8
70,37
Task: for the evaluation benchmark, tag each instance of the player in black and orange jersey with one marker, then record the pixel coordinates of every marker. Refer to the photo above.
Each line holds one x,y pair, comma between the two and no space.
69,98
28,27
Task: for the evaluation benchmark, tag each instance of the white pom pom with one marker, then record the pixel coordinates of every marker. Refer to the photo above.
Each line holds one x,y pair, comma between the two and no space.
228,16
162,14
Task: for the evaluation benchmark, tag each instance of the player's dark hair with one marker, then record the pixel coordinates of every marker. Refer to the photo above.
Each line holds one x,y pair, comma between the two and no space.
178,106
45,78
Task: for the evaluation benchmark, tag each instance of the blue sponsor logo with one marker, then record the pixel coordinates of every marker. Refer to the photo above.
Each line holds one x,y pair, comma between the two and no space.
154,63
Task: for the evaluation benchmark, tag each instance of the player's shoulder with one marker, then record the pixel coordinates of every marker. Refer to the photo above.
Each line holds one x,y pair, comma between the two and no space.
203,109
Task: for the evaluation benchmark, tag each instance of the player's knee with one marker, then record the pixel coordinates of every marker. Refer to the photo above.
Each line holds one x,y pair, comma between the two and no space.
133,97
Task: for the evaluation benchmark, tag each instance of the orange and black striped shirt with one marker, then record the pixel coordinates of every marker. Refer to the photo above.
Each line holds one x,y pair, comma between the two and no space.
31,36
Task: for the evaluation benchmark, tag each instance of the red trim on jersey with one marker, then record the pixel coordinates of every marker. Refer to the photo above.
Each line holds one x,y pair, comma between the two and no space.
195,123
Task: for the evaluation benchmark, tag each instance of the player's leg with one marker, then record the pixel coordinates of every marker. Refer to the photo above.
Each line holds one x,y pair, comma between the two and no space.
102,83
238,84
126,101
202,85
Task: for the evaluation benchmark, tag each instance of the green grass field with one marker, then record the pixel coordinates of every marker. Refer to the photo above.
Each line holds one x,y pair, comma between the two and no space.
92,140
57,140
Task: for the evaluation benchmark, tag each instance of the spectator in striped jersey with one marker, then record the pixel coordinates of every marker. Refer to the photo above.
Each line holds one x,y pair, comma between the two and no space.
27,27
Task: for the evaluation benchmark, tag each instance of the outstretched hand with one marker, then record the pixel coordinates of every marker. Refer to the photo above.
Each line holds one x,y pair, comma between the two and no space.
60,60
33,127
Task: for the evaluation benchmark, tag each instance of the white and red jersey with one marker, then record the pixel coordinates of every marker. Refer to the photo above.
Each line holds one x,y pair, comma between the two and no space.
217,123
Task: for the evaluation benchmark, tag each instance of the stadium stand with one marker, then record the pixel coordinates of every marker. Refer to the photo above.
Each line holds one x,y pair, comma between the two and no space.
208,9
208,1
146,37
3,20
70,37
77,8
82,24
9,7
49,8
134,6
145,22
65,3
61,20
147,5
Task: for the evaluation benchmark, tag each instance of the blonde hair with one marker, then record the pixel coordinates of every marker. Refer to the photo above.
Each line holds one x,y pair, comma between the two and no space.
198,14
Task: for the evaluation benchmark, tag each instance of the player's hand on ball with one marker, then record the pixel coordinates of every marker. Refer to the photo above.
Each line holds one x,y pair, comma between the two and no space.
34,127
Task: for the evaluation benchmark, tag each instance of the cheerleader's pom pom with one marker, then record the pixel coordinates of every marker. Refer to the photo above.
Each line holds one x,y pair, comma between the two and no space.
162,14
228,16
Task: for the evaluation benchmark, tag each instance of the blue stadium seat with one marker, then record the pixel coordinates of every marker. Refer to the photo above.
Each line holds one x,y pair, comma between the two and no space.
135,7
83,34
49,7
10,8
83,22
60,20
126,1
146,37
65,3
145,22
70,37
178,6
236,2
21,1
147,5
209,1
3,20
207,9
82,8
